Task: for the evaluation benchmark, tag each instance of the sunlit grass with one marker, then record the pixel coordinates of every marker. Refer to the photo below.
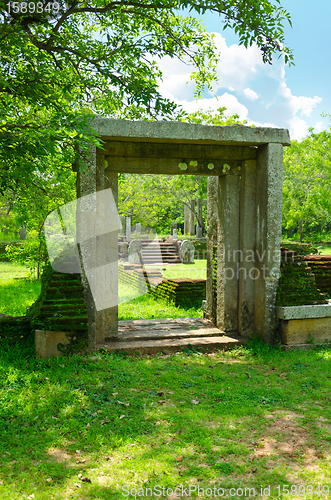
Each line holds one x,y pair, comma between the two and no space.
16,291
84,428
147,307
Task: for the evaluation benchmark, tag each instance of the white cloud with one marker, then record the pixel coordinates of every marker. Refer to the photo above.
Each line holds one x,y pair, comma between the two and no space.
239,71
297,103
233,106
318,127
298,128
250,94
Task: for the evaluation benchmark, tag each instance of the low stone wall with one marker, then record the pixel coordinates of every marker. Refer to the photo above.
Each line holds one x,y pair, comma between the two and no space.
302,326
297,285
321,267
182,291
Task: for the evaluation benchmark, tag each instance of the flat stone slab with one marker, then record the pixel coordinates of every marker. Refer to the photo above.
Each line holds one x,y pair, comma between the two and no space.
304,312
173,345
167,335
167,328
180,132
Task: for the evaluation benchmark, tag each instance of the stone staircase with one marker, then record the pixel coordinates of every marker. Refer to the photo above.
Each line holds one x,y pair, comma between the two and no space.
61,307
152,251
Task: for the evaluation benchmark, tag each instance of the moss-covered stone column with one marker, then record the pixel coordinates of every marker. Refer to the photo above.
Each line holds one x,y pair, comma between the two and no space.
247,270
212,216
86,184
228,253
268,237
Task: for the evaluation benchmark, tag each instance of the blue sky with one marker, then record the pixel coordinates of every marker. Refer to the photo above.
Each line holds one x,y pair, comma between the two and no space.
279,96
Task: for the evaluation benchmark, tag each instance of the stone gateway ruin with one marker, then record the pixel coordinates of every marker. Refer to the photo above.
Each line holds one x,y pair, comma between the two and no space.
244,167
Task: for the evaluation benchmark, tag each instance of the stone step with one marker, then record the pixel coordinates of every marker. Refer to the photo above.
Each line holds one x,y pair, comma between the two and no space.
169,345
164,332
63,306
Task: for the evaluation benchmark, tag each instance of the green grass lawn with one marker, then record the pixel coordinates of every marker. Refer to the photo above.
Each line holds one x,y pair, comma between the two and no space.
16,291
198,270
324,250
96,427
147,307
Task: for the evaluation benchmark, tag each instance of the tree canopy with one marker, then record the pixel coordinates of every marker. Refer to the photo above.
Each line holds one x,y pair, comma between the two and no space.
60,67
307,185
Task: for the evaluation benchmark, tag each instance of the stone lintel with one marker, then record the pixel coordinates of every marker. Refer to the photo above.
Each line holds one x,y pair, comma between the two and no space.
174,150
173,166
179,132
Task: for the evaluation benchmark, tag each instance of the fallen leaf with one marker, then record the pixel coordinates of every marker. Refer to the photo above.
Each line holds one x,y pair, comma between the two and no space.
125,404
122,416
179,459
78,485
195,401
161,393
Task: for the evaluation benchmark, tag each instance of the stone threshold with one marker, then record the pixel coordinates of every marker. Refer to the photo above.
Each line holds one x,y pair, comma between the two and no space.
170,335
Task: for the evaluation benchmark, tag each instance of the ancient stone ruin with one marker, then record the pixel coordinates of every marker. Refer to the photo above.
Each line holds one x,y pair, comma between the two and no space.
244,166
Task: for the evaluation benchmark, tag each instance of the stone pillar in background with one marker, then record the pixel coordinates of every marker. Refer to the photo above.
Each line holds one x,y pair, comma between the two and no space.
22,233
186,219
174,234
122,218
199,218
268,237
212,216
138,227
192,218
128,229
228,253
198,231
247,266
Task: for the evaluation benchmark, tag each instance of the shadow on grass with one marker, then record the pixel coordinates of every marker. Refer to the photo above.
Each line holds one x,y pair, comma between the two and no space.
151,421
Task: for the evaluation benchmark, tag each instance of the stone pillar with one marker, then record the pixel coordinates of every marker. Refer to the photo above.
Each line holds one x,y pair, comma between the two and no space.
199,218
99,247
247,234
122,218
228,253
268,237
109,322
128,229
86,184
212,215
192,218
186,219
